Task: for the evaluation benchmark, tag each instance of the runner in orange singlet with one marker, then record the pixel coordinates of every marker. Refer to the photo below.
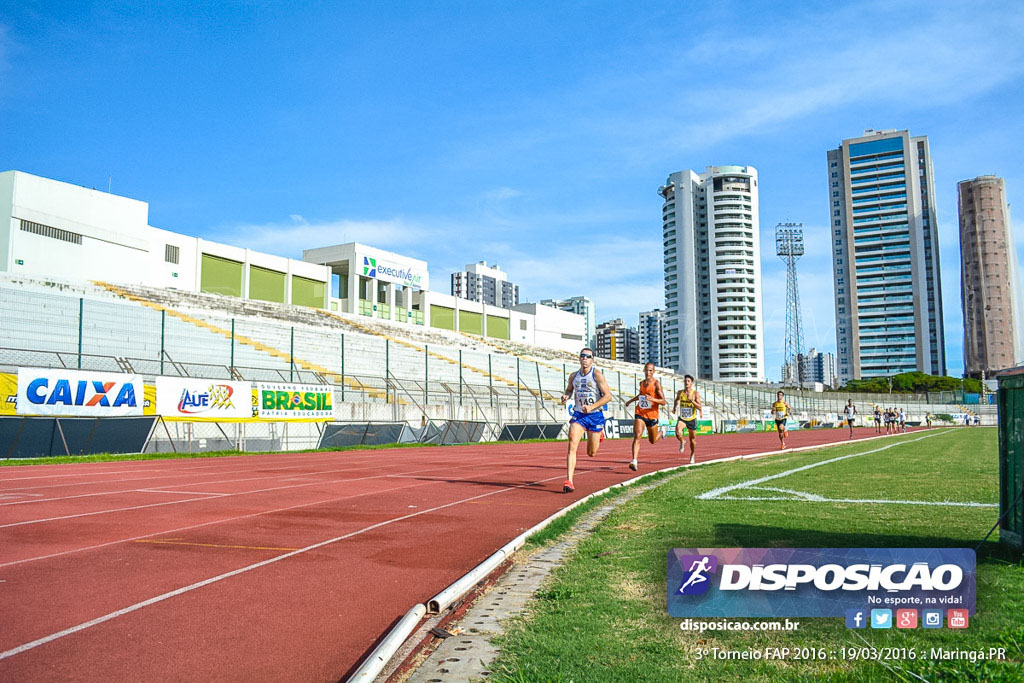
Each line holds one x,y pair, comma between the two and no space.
648,403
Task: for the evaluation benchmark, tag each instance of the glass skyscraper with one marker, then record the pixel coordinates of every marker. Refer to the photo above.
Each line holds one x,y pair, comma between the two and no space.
885,254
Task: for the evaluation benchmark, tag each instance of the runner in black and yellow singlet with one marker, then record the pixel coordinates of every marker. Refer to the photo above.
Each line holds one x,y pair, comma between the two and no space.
689,406
781,412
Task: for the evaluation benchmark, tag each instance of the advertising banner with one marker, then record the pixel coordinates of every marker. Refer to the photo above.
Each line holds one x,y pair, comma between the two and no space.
203,399
817,582
276,401
8,393
78,393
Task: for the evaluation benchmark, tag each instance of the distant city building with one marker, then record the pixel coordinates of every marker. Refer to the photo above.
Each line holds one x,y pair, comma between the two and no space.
713,320
486,284
885,247
651,336
989,279
615,341
580,305
817,367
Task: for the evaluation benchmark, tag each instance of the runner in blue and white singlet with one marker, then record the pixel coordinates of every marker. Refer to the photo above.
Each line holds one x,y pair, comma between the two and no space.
590,392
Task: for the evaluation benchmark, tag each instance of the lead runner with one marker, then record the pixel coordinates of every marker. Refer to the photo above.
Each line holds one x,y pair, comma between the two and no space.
590,392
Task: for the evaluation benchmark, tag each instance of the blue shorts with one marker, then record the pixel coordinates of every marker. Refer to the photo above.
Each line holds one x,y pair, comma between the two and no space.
592,422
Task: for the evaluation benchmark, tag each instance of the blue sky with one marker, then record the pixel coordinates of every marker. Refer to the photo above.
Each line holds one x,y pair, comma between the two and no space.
532,135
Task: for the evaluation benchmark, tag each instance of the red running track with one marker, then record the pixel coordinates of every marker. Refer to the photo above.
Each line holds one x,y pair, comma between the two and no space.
282,567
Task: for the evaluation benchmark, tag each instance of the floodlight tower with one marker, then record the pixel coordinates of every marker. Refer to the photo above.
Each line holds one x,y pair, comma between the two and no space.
789,245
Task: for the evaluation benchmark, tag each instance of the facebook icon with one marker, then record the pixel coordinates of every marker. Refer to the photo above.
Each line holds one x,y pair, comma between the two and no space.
856,618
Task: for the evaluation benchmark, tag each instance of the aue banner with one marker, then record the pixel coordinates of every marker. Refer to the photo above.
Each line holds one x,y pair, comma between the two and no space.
78,393
203,399
816,582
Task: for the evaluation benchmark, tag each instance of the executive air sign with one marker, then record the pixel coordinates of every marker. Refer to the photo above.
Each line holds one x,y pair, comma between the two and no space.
383,270
816,582
78,393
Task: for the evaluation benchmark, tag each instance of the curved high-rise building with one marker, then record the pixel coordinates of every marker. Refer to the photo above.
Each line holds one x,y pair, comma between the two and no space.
713,319
989,279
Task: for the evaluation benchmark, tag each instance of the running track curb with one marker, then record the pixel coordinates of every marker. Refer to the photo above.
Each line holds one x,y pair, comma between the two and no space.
386,649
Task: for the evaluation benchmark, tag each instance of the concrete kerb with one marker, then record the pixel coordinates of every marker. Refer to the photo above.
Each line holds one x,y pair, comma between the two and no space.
375,662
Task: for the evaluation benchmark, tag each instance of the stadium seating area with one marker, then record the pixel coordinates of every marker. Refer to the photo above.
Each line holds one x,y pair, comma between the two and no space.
152,331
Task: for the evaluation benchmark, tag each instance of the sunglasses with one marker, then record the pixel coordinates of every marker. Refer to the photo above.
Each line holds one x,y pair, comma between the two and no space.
586,355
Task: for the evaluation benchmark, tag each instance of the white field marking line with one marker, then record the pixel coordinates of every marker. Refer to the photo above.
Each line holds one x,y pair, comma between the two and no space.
206,582
192,500
715,493
819,499
347,468
799,494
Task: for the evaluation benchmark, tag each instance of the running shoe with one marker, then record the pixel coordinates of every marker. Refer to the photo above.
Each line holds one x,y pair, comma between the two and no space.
693,458
567,486
633,466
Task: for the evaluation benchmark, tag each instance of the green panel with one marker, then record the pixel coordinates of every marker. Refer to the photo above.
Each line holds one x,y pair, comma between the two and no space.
266,285
1011,458
220,276
306,292
384,311
365,307
497,327
441,317
471,322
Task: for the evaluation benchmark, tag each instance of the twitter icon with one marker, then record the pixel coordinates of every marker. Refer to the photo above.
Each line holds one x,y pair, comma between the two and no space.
881,618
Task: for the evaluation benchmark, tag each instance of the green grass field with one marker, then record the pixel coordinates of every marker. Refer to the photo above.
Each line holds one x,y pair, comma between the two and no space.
603,616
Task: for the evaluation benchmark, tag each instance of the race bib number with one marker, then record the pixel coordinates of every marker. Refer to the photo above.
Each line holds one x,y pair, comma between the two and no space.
686,413
780,414
643,402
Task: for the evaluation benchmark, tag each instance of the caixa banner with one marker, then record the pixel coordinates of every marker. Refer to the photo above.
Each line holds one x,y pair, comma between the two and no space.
816,582
203,399
78,393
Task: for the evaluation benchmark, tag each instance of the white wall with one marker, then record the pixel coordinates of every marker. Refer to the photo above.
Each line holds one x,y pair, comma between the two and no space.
118,244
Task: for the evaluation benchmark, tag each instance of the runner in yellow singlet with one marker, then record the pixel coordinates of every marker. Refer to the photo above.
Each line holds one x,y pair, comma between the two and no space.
688,404
781,412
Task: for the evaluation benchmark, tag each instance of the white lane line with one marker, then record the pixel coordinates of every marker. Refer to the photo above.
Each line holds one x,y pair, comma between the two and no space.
383,477
206,582
275,472
819,499
183,493
254,491
715,493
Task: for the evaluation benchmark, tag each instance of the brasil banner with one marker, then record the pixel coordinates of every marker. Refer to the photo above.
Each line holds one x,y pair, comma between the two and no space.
276,401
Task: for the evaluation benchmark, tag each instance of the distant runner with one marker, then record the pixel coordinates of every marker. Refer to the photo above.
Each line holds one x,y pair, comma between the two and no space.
781,412
878,420
688,404
648,406
590,392
851,413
